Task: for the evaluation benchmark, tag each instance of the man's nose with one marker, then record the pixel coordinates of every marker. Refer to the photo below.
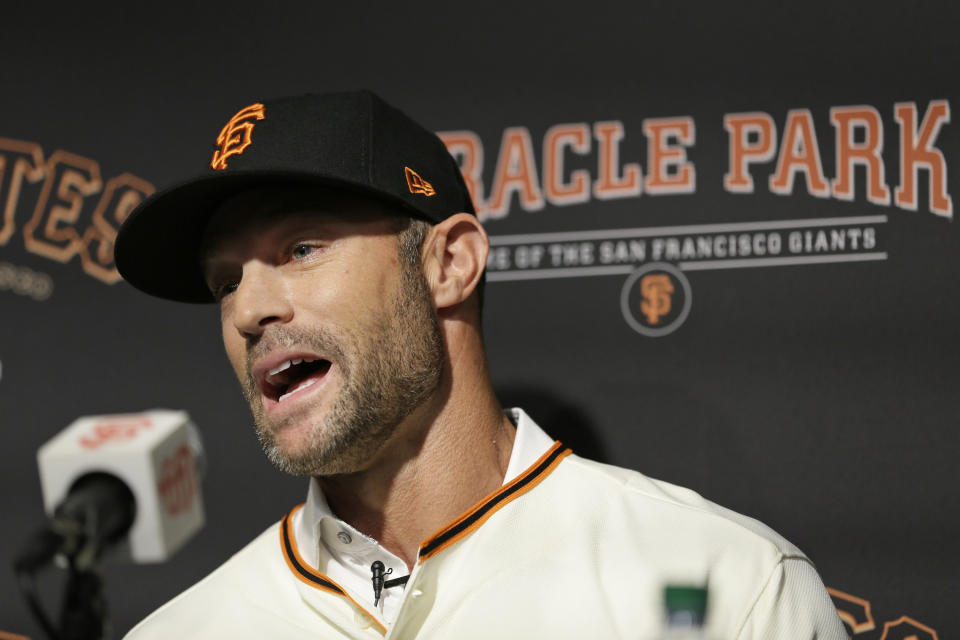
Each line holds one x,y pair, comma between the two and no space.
260,299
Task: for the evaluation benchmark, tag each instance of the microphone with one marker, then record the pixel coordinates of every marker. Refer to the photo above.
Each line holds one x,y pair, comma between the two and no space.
97,512
377,570
379,583
125,480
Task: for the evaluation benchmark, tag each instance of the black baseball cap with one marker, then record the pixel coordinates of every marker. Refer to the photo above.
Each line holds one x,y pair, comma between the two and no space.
354,141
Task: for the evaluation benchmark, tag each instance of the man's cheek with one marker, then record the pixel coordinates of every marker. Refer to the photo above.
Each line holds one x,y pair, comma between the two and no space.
236,356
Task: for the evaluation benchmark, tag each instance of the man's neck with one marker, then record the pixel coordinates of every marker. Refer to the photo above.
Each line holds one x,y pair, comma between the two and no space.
441,461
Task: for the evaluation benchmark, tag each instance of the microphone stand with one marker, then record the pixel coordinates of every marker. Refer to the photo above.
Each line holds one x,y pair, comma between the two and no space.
97,513
37,553
84,612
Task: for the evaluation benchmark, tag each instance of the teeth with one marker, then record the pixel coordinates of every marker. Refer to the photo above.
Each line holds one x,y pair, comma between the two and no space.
300,388
282,367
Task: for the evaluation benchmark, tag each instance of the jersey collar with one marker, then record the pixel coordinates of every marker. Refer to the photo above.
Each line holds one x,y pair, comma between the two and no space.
329,554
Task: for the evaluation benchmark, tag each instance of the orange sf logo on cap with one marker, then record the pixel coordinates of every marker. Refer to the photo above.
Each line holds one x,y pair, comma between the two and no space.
236,135
416,184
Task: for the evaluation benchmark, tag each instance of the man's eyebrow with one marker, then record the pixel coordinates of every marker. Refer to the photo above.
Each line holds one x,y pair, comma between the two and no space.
213,250
210,270
207,262
213,257
209,255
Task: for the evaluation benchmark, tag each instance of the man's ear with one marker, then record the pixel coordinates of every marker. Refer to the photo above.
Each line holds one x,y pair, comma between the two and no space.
454,257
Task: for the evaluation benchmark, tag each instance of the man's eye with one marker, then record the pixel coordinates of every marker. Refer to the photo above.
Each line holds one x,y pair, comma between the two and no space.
223,290
302,251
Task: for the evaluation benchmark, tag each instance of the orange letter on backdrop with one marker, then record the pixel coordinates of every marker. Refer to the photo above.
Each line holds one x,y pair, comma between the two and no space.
516,171
743,152
906,628
845,120
75,177
609,185
799,152
19,161
559,137
854,611
119,198
467,149
661,157
917,151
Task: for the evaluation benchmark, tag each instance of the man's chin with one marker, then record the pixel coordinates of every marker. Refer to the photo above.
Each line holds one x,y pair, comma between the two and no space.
289,448
297,461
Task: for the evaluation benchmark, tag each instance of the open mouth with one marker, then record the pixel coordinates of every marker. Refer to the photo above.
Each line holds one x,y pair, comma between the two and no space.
292,376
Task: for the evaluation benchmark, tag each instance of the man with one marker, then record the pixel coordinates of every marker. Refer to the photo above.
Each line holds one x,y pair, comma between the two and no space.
339,241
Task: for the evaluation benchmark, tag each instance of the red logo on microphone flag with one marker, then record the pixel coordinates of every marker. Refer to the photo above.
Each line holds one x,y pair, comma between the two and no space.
115,429
177,484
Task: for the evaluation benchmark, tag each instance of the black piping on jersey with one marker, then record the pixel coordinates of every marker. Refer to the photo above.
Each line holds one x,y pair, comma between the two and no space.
292,558
480,511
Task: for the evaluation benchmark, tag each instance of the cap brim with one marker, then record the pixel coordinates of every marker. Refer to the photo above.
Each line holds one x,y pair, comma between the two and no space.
158,247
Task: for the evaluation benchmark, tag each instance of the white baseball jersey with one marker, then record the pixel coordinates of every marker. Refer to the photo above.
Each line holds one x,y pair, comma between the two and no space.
566,548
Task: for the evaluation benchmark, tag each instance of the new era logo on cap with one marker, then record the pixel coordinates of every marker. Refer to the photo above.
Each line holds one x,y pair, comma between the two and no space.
416,184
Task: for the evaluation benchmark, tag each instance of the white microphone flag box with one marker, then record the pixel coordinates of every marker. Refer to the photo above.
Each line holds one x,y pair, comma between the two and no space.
156,453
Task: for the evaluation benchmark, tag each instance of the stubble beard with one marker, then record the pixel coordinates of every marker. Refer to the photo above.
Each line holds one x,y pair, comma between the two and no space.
386,371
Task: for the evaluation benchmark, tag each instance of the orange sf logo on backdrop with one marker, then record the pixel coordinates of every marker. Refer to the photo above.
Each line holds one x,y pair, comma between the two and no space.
656,299
236,135
656,290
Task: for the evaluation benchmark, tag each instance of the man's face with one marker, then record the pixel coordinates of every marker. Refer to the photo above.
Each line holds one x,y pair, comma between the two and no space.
333,336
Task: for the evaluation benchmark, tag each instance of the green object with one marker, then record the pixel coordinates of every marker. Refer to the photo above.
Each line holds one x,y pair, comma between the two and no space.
686,606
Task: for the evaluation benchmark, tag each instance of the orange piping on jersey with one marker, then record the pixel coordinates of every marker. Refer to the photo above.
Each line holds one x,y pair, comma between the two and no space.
497,492
502,496
297,565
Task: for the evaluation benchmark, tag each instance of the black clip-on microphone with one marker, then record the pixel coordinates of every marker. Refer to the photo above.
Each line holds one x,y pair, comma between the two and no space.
377,569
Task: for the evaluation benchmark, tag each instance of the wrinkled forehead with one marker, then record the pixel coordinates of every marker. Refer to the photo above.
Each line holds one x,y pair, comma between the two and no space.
258,211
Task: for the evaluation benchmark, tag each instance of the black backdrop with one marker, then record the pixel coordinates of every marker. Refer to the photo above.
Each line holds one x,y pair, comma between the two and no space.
813,387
